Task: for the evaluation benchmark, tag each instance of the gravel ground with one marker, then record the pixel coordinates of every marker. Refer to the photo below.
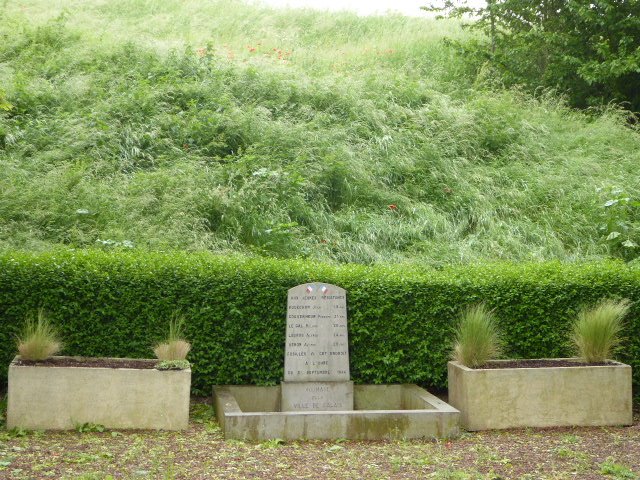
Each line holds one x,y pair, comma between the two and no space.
201,453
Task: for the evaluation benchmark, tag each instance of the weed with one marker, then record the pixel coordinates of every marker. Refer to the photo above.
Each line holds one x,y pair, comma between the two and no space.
16,432
4,104
617,470
273,443
564,452
447,474
39,338
3,411
169,472
621,226
596,331
204,414
571,439
477,337
82,458
425,461
89,427
134,450
201,412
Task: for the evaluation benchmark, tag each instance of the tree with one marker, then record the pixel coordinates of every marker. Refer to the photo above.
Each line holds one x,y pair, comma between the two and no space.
587,49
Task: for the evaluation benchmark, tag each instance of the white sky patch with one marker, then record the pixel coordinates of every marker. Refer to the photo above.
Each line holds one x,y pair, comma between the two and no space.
364,7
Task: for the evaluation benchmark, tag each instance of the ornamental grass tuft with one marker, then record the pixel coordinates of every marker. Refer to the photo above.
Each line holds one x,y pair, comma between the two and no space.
477,337
175,347
39,339
596,331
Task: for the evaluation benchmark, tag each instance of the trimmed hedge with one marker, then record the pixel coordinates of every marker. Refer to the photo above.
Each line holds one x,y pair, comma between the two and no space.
401,317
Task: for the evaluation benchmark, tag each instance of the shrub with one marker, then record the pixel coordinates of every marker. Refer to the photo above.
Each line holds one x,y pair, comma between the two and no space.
39,339
477,337
175,347
401,318
596,331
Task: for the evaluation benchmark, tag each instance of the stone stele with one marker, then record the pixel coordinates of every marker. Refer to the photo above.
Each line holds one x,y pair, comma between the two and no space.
316,364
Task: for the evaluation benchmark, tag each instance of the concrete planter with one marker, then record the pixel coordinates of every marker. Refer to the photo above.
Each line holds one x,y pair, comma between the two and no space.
541,397
60,398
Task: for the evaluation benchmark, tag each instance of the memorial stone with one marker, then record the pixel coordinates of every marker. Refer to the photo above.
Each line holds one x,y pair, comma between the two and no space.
316,366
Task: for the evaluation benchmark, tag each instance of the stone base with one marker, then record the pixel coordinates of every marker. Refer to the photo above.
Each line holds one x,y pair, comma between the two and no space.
60,398
391,412
310,396
541,397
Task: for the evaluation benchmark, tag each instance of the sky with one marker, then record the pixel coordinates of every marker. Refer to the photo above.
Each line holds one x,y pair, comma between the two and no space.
362,7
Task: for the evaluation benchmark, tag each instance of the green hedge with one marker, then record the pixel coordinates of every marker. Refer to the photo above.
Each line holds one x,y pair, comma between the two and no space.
400,317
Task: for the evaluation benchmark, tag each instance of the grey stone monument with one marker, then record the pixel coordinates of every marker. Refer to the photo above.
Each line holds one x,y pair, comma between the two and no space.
316,362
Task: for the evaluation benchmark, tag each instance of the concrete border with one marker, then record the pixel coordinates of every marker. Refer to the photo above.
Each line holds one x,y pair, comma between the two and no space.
61,398
541,397
382,412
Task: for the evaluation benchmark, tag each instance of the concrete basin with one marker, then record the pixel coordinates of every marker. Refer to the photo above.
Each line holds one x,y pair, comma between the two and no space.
253,413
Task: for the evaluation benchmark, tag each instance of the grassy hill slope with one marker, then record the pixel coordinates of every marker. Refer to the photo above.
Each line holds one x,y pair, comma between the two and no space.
218,125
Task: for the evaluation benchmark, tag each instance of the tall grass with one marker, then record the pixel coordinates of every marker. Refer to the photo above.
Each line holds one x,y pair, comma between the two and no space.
39,339
174,347
596,331
477,337
219,125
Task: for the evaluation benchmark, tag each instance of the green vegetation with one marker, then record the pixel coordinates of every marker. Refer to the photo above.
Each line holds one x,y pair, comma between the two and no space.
3,411
617,470
588,50
201,452
173,365
90,428
477,337
175,347
39,338
402,318
221,126
621,228
596,331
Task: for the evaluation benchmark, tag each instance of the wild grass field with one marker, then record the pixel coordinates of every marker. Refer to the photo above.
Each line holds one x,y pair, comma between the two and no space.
231,127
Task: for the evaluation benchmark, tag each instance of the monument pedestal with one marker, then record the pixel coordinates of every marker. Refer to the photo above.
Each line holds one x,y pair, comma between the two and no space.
309,396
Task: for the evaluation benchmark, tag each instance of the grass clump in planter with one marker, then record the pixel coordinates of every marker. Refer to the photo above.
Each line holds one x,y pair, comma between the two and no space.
596,331
175,347
477,337
39,339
